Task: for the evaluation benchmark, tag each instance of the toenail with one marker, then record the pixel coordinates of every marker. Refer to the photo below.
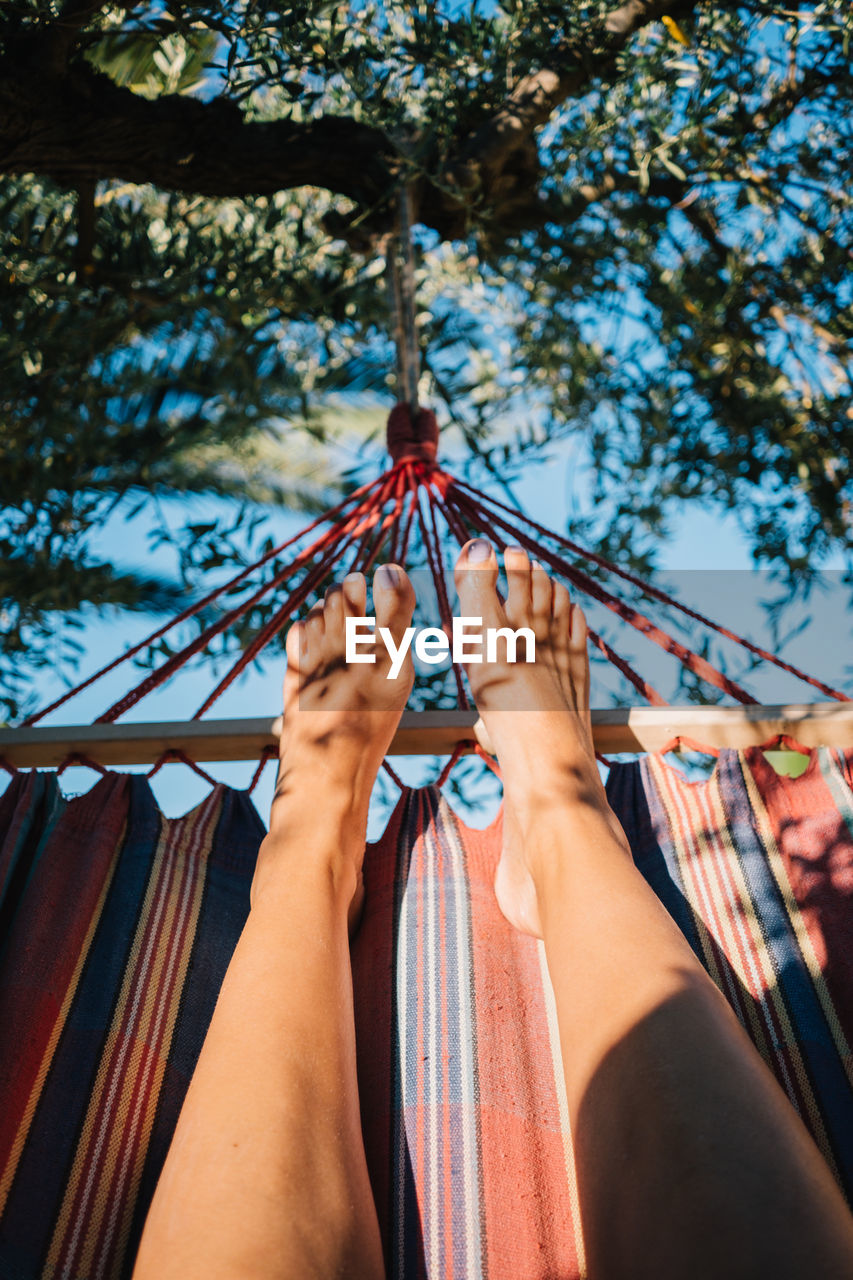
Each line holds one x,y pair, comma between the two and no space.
387,575
479,550
515,550
354,579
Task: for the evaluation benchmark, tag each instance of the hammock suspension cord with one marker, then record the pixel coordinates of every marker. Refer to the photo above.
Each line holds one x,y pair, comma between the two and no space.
409,498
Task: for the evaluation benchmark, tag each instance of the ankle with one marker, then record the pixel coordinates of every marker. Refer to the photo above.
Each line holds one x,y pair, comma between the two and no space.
327,795
556,836
303,860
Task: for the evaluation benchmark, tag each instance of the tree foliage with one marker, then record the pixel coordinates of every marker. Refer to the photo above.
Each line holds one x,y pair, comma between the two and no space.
634,229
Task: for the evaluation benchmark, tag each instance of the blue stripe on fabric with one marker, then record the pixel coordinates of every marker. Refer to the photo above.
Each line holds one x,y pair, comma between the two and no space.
634,798
812,1033
224,908
46,1160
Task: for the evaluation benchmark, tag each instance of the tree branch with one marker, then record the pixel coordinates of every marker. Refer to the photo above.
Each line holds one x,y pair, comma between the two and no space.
60,38
81,127
60,118
490,158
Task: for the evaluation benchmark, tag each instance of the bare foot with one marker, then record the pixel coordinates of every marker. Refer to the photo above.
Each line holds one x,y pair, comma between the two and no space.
338,724
536,715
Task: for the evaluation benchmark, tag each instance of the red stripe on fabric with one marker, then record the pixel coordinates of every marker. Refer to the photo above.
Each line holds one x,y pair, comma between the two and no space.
98,1132
703,906
750,969
418,1107
526,1201
446,1141
95,1134
15,805
374,1000
139,1102
81,851
816,848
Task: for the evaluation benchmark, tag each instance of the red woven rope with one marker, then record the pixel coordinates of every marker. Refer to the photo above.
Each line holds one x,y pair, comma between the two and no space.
193,609
291,604
693,661
442,587
393,775
646,690
78,758
400,491
330,538
409,519
277,621
462,748
658,594
452,519
369,553
173,755
435,565
468,747
268,753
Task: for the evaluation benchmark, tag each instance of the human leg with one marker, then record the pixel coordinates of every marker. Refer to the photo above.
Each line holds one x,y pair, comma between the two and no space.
266,1174
691,1161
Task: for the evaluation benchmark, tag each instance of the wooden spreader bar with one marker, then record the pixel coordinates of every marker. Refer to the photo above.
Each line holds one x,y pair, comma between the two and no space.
431,733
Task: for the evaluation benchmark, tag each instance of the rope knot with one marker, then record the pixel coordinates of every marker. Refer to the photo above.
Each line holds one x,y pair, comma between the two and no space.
407,439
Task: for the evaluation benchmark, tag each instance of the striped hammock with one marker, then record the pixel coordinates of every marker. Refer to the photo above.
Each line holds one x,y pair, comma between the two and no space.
117,926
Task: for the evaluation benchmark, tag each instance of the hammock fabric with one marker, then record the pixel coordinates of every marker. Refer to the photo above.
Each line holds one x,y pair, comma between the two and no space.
119,925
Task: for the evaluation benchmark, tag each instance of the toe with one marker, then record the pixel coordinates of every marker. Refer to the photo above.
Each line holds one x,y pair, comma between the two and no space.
333,613
294,645
393,598
476,577
579,658
540,599
517,566
354,588
561,621
312,638
561,609
579,630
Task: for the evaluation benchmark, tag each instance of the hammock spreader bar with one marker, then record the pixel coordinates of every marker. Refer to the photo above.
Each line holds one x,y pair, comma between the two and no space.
432,733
